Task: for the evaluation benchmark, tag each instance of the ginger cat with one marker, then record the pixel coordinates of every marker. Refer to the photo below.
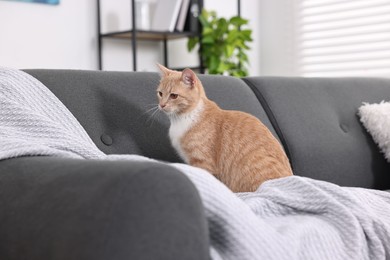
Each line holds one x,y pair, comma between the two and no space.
234,146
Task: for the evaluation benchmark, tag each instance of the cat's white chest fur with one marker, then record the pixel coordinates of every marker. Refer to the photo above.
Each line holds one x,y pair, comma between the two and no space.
180,125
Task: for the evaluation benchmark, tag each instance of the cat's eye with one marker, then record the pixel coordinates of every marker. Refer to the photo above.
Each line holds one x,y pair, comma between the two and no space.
160,93
173,96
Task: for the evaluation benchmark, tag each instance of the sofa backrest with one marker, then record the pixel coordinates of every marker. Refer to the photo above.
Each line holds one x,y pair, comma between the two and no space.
315,119
317,122
112,107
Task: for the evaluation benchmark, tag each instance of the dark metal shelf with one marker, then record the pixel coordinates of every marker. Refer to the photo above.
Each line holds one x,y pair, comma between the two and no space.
135,35
149,35
197,69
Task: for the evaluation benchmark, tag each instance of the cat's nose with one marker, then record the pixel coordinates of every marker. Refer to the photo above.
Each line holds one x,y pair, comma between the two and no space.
163,105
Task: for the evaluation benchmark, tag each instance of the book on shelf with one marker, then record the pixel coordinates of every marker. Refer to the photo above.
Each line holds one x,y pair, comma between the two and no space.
182,15
166,15
192,23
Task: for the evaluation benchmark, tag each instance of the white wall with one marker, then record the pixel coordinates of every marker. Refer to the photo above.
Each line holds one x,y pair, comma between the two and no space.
64,36
48,36
276,44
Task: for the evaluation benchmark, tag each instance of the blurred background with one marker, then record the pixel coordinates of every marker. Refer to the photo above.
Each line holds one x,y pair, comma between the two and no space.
290,37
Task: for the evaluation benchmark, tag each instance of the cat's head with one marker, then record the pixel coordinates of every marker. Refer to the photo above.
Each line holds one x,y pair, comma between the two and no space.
179,92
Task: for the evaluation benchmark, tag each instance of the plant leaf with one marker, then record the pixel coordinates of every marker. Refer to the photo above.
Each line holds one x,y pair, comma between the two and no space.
223,44
203,18
192,42
207,31
229,49
214,63
238,21
208,39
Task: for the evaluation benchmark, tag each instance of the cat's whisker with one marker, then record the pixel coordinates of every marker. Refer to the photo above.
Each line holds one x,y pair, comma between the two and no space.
154,111
149,122
151,109
151,105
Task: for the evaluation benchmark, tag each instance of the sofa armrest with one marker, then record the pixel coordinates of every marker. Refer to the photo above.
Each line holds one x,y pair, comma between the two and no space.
56,208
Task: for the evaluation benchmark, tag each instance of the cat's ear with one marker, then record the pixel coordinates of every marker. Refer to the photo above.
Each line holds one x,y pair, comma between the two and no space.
164,71
188,77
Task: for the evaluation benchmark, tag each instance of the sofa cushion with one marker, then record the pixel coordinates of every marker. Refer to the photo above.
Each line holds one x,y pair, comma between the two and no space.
112,107
317,121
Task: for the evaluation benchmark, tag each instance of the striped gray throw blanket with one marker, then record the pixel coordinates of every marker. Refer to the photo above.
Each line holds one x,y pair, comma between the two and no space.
289,218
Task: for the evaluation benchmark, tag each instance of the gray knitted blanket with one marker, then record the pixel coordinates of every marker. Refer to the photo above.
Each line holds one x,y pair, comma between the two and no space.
289,218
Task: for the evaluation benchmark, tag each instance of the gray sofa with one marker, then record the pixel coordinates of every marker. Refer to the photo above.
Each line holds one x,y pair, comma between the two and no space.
54,208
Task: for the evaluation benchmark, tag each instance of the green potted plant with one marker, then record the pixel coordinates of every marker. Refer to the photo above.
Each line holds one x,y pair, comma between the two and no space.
223,44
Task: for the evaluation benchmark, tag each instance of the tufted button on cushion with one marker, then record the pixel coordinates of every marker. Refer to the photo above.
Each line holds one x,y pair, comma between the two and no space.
344,128
106,139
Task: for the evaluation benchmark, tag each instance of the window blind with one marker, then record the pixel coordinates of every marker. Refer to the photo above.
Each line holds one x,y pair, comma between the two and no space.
343,38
